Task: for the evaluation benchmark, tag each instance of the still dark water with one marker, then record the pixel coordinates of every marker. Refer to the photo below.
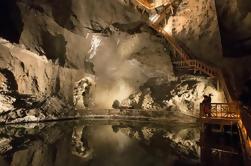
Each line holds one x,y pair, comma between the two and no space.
110,143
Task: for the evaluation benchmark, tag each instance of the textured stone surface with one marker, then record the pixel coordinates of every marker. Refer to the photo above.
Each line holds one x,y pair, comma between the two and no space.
183,94
194,24
235,24
62,42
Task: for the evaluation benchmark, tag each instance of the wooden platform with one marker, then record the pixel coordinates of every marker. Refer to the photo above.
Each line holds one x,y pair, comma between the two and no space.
219,121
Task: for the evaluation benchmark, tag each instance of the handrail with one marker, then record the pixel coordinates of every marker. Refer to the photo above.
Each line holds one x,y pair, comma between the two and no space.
225,89
246,120
146,4
152,4
198,65
160,17
222,110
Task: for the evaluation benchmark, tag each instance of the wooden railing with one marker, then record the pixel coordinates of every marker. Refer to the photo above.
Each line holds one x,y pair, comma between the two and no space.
152,4
244,126
196,65
199,66
230,97
225,110
222,110
246,120
182,54
159,17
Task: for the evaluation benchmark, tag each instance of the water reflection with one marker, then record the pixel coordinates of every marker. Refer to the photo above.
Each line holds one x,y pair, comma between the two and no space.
96,143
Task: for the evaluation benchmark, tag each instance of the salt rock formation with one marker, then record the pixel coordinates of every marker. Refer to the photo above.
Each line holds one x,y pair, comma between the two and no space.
82,93
34,74
194,24
184,94
5,100
59,43
29,84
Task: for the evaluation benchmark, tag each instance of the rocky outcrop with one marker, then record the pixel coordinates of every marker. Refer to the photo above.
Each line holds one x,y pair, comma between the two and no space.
36,75
82,93
30,88
183,94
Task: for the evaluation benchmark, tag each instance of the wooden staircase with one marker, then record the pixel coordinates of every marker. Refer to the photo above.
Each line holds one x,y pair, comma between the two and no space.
152,4
228,113
185,60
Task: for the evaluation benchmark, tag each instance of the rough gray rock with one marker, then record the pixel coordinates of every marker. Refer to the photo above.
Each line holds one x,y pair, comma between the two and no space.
184,94
16,108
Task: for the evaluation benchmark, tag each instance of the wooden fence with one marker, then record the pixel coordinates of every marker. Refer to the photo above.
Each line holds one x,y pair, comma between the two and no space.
222,110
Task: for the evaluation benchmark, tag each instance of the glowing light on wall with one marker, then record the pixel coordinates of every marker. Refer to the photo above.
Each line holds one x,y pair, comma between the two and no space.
95,43
169,26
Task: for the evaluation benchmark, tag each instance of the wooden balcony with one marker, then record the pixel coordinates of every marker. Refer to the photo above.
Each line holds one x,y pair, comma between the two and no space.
152,4
221,113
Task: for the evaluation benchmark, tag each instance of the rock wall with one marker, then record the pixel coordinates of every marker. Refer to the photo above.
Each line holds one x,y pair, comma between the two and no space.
235,24
61,42
195,26
184,95
35,75
60,32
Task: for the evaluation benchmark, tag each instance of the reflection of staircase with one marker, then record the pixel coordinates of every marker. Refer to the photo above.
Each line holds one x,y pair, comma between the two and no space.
185,61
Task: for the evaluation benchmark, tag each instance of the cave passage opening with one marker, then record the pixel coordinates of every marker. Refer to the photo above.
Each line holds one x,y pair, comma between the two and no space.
11,21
